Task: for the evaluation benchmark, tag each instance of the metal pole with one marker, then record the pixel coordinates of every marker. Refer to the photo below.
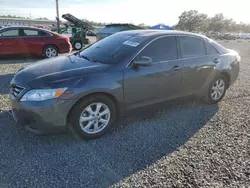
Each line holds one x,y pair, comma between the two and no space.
57,16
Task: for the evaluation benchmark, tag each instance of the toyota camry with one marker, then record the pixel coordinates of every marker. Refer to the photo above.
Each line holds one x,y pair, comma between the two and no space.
90,89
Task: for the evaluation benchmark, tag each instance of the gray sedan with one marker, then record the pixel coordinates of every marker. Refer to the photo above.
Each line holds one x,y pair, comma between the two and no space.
91,88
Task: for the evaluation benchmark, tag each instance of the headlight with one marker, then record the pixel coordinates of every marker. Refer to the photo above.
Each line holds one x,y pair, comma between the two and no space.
42,94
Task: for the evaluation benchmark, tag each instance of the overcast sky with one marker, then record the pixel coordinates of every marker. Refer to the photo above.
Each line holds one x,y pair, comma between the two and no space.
127,11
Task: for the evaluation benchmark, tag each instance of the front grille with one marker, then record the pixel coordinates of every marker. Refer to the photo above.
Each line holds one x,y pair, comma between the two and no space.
15,90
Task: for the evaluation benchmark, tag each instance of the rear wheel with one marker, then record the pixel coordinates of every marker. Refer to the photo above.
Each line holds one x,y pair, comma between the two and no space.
93,116
78,45
216,90
50,51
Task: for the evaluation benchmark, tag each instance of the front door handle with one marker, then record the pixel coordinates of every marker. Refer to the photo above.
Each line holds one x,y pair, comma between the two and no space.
216,61
176,68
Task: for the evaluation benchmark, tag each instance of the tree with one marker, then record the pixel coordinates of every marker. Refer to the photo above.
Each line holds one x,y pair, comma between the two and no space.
42,18
245,28
217,23
11,16
142,25
192,21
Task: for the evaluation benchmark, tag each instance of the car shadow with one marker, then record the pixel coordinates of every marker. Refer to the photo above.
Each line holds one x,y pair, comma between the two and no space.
4,83
17,59
136,142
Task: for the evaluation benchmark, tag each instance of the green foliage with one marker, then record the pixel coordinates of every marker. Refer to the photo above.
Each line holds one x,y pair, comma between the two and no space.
192,20
12,16
42,18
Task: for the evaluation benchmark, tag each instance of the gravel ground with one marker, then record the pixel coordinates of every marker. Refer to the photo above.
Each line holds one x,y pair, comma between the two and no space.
182,144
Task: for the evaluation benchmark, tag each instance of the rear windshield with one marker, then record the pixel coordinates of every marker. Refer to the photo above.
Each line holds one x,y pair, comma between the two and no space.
114,48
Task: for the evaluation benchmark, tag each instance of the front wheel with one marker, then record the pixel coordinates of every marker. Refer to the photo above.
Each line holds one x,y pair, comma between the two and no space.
216,90
93,116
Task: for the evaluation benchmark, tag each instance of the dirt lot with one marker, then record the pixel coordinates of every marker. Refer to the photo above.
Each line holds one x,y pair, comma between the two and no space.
186,144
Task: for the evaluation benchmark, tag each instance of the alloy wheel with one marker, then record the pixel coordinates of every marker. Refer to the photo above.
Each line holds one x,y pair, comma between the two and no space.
51,52
218,89
94,118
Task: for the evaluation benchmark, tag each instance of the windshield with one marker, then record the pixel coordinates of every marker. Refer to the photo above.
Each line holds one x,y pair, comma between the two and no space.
114,48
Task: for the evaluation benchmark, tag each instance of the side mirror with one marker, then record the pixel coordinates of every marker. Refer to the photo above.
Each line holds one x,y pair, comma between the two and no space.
142,61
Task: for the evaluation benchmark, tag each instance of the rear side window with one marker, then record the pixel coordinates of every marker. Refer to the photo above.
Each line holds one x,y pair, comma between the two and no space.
210,49
10,33
44,34
162,49
28,32
221,49
192,46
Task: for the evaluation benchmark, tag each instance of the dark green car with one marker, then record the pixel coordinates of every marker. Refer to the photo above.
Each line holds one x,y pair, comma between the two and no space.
88,90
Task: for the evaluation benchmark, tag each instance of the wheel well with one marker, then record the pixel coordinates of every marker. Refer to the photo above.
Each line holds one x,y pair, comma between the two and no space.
77,41
111,97
227,76
51,45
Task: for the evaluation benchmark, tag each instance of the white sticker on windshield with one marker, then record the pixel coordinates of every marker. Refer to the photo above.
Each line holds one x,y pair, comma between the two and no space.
130,43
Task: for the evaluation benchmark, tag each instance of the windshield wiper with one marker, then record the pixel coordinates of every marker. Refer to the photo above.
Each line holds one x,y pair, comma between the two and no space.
84,57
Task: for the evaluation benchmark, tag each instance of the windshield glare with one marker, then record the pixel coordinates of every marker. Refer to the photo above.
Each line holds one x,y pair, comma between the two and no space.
112,49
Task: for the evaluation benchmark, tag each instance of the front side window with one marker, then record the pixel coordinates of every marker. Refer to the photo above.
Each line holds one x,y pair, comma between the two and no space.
10,33
162,49
28,32
192,46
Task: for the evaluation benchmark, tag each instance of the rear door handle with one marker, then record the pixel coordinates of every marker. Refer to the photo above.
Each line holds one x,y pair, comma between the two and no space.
216,61
176,68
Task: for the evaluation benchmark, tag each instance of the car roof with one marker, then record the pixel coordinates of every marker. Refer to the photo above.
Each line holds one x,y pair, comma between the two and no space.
25,27
156,33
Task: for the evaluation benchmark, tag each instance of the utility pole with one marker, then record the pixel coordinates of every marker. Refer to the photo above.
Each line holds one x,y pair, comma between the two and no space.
57,16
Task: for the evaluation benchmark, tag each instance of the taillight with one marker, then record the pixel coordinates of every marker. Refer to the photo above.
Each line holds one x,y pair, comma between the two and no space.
67,39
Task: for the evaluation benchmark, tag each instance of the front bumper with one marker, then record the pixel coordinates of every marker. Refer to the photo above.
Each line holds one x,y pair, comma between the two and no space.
234,71
43,117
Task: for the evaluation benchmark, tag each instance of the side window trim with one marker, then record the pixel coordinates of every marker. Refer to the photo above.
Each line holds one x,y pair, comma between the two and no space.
177,54
159,62
38,31
181,50
27,36
48,34
176,40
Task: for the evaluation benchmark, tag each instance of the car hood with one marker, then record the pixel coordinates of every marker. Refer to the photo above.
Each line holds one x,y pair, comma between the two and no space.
57,69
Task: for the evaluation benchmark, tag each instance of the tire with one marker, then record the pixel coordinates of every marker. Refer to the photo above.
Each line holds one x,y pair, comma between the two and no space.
91,122
211,97
78,45
50,51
